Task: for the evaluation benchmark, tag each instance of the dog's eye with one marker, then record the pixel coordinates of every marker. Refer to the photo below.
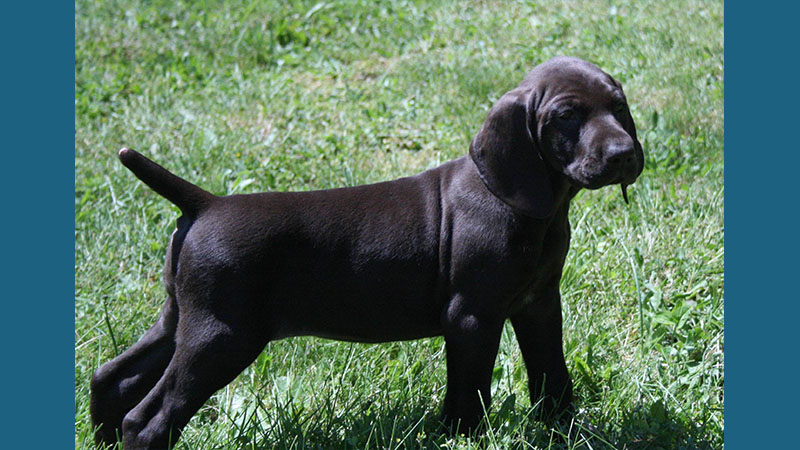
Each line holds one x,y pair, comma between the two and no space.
567,114
619,108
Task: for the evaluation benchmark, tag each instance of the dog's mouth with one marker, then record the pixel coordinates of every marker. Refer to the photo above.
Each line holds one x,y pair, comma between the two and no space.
597,182
589,176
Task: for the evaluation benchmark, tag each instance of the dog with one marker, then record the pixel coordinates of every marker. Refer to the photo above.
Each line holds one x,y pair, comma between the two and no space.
453,252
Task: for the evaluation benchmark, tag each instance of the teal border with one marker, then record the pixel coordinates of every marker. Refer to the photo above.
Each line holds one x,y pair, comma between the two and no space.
37,80
761,161
762,157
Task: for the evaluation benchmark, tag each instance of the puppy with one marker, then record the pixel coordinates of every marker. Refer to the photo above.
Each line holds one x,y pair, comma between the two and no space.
453,252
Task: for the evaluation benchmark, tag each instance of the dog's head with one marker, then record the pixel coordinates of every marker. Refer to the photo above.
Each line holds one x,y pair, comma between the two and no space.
567,117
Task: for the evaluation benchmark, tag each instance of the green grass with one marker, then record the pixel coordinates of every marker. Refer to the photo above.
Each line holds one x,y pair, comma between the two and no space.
256,96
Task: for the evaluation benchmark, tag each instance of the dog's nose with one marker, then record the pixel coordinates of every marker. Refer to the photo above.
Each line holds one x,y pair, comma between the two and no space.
620,155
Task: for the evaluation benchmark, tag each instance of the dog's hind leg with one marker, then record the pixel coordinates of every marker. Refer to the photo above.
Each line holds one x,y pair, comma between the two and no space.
209,354
120,384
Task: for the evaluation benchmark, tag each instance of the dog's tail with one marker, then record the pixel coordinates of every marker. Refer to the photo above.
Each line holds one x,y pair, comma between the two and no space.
186,196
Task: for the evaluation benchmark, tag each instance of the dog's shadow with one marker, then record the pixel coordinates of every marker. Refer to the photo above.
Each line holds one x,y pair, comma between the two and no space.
653,426
412,423
333,422
645,426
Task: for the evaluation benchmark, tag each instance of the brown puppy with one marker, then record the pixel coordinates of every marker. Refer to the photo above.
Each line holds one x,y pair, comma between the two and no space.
453,251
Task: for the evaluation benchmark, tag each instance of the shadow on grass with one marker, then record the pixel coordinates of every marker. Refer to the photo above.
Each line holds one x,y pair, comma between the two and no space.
648,426
413,424
362,423
653,426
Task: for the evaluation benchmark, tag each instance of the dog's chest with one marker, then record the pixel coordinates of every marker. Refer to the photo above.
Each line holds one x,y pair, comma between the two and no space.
546,256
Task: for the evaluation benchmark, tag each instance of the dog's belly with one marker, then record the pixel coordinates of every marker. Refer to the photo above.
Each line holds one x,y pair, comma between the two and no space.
366,298
364,325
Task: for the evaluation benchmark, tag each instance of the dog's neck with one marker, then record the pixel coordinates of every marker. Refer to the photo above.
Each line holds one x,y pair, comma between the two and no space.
563,191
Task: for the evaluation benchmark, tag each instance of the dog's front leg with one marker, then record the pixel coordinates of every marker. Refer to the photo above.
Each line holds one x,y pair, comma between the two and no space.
471,342
538,330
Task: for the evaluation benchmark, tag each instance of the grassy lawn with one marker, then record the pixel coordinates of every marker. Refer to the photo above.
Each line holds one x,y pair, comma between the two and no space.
260,96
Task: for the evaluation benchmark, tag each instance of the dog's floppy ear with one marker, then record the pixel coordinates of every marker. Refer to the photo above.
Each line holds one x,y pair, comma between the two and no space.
507,157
